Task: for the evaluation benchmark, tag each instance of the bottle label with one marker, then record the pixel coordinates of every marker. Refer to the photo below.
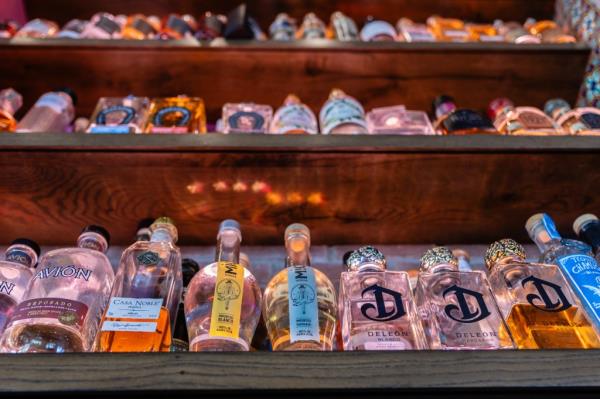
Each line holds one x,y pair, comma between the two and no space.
591,120
129,326
68,312
6,287
341,111
54,101
583,273
115,115
246,122
303,306
111,129
550,227
172,116
535,120
18,256
294,117
227,302
134,308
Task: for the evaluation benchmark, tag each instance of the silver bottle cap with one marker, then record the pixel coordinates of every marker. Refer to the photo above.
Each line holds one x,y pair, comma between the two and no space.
433,258
582,221
503,249
230,225
366,258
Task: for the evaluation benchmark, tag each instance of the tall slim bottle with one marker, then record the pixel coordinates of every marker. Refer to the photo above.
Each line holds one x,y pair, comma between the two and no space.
222,304
575,260
300,305
141,312
587,228
53,113
65,300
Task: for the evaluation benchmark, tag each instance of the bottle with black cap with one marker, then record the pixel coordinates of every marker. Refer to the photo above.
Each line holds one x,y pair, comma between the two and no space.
65,300
587,228
143,231
15,272
52,113
181,341
450,120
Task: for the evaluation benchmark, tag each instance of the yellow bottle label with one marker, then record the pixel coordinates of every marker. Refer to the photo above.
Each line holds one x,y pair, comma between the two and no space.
227,302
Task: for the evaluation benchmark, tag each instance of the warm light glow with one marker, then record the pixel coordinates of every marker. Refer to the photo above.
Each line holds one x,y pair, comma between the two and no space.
220,186
315,198
392,121
260,187
295,198
195,188
274,198
240,187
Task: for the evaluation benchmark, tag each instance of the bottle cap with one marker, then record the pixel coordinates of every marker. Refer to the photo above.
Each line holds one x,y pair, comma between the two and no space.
230,225
98,230
292,99
366,258
497,106
583,220
533,221
442,105
189,268
166,222
71,94
461,253
556,107
438,256
503,249
28,243
145,223
10,100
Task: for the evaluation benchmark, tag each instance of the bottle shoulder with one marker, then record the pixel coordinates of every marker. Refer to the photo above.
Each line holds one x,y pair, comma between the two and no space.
15,267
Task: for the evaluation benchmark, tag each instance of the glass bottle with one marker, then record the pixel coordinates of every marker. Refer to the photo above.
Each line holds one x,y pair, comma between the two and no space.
410,31
294,117
143,305
549,32
65,300
222,304
376,30
312,28
53,113
73,29
377,308
574,259
38,29
10,103
521,121
8,29
140,27
300,305
16,270
176,115
120,115
210,26
453,121
175,27
580,121
103,26
458,308
246,118
283,28
540,309
342,28
342,114
587,228
143,230
514,32
181,342
464,260
448,29
485,33
398,120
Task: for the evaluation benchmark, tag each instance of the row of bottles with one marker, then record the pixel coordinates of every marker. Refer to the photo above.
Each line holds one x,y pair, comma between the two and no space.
74,301
341,114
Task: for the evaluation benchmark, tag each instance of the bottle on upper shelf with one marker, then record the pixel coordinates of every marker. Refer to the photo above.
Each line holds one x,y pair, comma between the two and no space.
377,308
464,260
521,121
294,117
223,300
120,115
143,230
8,29
38,29
410,31
575,260
283,28
142,309
53,113
140,27
73,29
312,28
241,26
103,26
342,28
458,308
587,228
176,115
448,29
580,121
514,32
300,305
548,31
246,118
342,114
177,27
210,26
65,300
486,33
16,270
181,342
398,120
376,30
10,103
536,301
453,121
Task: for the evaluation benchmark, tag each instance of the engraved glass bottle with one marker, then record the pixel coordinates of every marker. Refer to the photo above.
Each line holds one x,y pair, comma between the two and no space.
16,270
53,113
377,308
521,121
398,120
223,300
141,311
300,306
246,118
580,121
120,115
10,103
458,308
342,114
294,117
453,121
536,301
65,300
176,115
587,228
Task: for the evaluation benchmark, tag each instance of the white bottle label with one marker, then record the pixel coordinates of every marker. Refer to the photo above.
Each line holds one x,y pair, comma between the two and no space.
134,308
129,326
54,101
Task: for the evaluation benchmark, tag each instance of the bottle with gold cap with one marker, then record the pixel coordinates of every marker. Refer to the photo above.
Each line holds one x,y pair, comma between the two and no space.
377,309
143,306
294,117
342,114
458,308
300,304
539,307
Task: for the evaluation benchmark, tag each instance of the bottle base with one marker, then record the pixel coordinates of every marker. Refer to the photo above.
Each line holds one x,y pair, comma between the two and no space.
206,343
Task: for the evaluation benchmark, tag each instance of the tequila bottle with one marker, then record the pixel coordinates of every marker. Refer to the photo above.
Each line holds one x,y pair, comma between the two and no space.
483,33
514,32
410,31
73,29
377,309
8,29
140,27
143,305
537,303
453,121
342,114
246,118
574,259
65,300
210,26
300,306
521,121
464,260
38,29
398,120
176,115
312,28
103,26
16,270
342,28
580,121
294,117
283,28
176,27
52,113
223,300
181,342
120,115
549,32
376,30
587,228
458,308
10,102
448,29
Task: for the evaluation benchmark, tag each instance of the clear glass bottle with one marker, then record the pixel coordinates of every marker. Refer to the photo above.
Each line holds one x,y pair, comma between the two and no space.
485,33
10,103
16,270
580,121
103,26
458,309
574,259
464,260
398,120
377,308
65,300
521,121
8,29
514,32
38,29
283,28
537,303
294,117
246,118
342,28
140,27
223,300
312,28
181,342
176,115
120,115
549,32
210,26
300,304
587,228
342,114
453,121
410,31
142,309
73,29
175,27
52,113
376,30
448,29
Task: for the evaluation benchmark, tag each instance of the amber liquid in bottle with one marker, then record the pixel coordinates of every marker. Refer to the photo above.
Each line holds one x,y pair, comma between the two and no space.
129,341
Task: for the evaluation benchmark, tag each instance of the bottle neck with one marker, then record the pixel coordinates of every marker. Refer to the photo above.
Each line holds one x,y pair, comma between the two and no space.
228,247
94,241
507,260
367,267
590,233
543,237
22,255
161,235
143,234
298,251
